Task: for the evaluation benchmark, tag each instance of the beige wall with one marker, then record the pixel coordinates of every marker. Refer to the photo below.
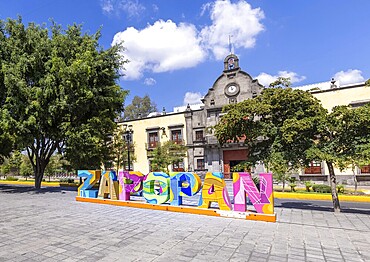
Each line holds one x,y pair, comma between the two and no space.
140,136
342,96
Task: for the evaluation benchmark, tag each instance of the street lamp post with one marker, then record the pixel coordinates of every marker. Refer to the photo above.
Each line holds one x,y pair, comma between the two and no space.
128,139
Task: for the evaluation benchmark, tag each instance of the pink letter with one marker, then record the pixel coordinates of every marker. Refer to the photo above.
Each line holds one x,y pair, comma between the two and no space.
262,200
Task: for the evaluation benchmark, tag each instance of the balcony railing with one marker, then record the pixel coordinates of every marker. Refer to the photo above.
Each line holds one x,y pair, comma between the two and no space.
313,170
365,169
179,142
212,140
199,140
151,145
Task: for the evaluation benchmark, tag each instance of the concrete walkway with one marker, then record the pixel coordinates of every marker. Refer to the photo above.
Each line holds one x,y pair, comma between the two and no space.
51,226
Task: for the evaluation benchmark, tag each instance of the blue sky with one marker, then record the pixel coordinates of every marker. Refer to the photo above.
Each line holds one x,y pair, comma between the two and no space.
176,47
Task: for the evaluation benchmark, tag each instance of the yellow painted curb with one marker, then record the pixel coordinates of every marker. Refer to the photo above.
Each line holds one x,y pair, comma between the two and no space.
26,183
183,209
321,197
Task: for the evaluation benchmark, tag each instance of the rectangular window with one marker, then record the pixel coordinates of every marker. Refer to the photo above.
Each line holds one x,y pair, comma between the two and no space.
200,164
176,136
199,135
153,139
313,168
178,167
365,169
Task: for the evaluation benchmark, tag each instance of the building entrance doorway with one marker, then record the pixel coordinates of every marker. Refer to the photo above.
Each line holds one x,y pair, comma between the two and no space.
232,158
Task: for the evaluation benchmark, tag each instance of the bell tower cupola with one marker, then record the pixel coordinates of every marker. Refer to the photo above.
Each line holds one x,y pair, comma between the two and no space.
231,63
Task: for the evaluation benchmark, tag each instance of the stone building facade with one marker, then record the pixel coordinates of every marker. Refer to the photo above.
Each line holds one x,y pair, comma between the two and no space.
204,151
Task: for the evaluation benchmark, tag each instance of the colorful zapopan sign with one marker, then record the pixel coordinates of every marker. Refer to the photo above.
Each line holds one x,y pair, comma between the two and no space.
158,188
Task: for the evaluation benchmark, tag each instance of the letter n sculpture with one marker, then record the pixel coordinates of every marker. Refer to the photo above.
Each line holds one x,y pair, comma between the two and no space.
262,200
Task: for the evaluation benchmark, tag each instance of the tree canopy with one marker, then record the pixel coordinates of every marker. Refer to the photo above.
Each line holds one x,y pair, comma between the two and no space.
280,120
58,92
139,107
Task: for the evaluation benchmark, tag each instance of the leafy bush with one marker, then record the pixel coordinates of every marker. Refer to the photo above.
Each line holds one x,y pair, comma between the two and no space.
66,180
292,183
308,185
292,186
340,188
11,178
321,188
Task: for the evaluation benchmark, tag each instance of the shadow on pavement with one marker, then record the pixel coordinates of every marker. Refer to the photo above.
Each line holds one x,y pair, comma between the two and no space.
311,206
12,189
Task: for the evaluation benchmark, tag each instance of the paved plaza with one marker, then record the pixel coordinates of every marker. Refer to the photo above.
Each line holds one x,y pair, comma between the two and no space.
51,226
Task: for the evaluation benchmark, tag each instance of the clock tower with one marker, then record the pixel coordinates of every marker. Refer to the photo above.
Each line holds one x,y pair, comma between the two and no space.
232,86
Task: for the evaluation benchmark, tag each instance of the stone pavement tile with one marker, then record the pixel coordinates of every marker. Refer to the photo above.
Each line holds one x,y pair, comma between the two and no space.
50,259
225,252
244,249
20,258
70,259
60,257
173,258
298,259
240,256
257,256
277,258
311,256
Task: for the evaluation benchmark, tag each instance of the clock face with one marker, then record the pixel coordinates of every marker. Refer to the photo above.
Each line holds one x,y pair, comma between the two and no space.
232,90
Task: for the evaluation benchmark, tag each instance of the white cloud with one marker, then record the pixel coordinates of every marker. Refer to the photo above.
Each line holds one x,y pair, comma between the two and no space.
167,46
132,8
239,20
161,47
155,8
266,79
192,98
107,6
349,77
149,81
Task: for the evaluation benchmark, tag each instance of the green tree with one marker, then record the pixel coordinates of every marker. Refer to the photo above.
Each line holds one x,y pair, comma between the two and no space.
280,168
344,141
6,136
11,164
139,107
279,127
55,165
281,82
292,125
169,153
61,92
118,148
280,122
5,167
26,169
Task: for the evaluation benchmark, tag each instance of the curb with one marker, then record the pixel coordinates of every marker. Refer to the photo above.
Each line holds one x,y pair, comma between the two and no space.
26,183
364,199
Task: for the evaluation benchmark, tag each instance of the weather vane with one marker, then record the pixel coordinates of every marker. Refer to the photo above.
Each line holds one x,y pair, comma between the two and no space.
230,45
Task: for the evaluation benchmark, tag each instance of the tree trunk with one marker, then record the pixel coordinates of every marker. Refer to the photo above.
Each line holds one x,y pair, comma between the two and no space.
333,185
354,178
39,172
283,185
